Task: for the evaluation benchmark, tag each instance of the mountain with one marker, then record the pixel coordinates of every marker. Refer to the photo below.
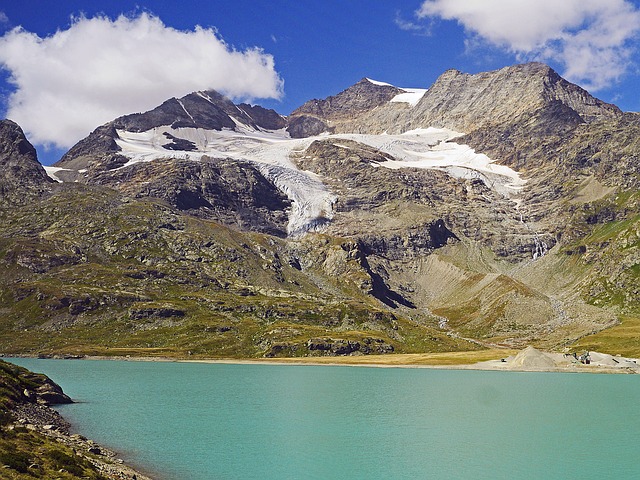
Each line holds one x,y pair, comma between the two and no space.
457,101
226,191
495,209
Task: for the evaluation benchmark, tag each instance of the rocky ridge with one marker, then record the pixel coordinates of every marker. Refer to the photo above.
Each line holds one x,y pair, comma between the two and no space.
468,102
21,175
207,110
317,116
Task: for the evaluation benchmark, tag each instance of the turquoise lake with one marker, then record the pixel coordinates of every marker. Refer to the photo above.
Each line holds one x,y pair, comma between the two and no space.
190,421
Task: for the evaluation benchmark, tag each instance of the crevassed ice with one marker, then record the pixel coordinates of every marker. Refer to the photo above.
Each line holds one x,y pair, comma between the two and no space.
269,151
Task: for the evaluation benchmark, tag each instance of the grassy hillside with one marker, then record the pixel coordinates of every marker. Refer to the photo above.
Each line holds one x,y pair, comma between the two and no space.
89,271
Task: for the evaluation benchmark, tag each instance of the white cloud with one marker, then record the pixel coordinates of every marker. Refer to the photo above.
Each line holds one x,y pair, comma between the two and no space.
98,69
419,29
592,39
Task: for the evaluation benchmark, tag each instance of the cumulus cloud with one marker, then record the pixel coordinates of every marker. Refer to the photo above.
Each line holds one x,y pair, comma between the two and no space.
98,69
592,39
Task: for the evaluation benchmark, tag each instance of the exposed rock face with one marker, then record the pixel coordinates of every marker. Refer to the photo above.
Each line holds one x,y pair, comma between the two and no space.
402,213
317,116
337,347
263,118
465,103
209,110
361,97
302,126
21,386
20,172
206,110
232,193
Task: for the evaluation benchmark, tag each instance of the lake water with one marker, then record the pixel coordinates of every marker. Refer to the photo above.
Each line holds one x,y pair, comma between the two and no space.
189,421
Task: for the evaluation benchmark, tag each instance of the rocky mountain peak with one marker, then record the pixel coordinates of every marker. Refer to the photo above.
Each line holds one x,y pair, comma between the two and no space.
362,96
20,171
208,110
458,101
15,149
317,116
466,102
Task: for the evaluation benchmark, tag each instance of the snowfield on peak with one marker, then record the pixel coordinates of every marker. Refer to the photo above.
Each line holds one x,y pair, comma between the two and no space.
379,84
312,202
411,95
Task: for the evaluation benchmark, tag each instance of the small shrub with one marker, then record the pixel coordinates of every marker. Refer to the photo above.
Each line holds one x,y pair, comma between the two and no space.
19,461
66,462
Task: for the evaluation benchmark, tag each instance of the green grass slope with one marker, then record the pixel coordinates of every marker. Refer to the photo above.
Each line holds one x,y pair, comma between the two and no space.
88,271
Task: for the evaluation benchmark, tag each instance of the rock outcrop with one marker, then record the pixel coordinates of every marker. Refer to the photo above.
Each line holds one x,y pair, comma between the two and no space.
318,116
21,175
27,420
230,192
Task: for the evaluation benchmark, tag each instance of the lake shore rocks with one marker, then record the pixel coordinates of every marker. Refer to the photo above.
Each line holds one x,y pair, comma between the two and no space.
29,409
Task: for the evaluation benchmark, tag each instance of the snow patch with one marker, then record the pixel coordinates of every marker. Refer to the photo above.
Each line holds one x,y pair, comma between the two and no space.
411,96
380,84
432,148
52,171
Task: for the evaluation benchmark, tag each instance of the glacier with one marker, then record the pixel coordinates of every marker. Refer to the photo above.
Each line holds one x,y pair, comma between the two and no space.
270,151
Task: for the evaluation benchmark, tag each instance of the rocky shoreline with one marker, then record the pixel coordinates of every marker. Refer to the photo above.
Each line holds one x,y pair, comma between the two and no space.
44,420
527,359
25,406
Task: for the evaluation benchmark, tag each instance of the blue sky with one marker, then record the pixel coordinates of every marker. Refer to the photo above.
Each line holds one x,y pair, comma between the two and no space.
307,49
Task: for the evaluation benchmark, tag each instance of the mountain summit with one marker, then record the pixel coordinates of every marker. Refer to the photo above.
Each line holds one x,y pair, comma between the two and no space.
205,110
466,102
457,101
